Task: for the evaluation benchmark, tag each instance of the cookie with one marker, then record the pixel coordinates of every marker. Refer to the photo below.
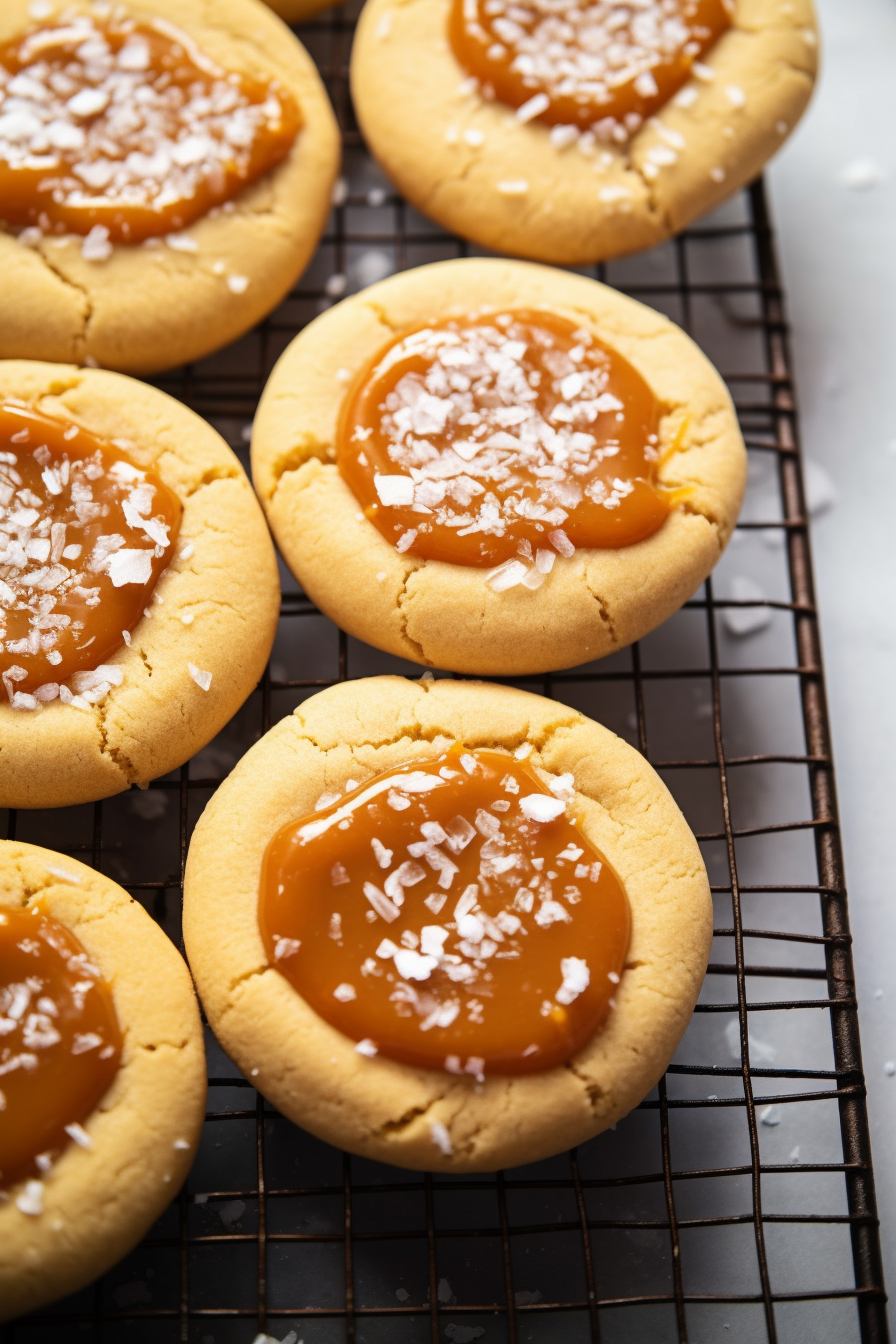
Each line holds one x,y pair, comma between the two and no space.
163,687
457,615
443,1119
77,291
506,178
93,1200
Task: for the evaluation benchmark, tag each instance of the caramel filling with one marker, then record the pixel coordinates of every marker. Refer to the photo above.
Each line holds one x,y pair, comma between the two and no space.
508,438
60,1043
84,537
124,130
606,65
450,914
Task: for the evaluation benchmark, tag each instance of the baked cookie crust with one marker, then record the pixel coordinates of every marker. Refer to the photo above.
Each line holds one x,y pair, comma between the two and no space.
99,1201
148,308
474,167
383,1109
445,615
215,606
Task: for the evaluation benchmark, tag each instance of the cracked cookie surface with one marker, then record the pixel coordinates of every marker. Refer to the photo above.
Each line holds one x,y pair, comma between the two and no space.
149,307
446,615
99,1200
471,164
390,1111
215,605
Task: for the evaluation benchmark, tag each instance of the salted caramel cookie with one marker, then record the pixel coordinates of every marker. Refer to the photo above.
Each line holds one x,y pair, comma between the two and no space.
507,984
167,170
102,1070
497,468
574,139
138,584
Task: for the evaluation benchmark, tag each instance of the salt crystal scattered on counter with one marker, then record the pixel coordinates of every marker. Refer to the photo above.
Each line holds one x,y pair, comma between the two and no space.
445,1291
402,1294
760,1051
770,1115
794,1155
821,492
746,620
202,679
335,286
231,1212
862,174
339,195
372,266
376,197
890,1068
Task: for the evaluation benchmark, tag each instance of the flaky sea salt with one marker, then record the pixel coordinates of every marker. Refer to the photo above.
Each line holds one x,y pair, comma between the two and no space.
96,245
742,621
202,679
533,108
539,807
576,979
31,1199
440,1137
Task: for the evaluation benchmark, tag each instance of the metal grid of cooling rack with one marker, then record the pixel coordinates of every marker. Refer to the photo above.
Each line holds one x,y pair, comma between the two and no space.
742,1213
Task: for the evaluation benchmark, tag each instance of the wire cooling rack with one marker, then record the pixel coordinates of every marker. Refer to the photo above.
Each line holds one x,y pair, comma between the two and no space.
737,1202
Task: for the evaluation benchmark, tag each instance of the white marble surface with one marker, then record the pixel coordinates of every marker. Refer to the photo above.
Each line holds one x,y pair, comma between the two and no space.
837,245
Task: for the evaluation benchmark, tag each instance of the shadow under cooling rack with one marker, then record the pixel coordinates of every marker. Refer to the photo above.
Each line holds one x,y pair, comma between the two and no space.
737,1202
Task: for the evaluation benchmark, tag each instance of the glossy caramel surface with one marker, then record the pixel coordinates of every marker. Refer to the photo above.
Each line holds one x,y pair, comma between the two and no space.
114,124
60,1043
606,65
450,914
84,537
512,435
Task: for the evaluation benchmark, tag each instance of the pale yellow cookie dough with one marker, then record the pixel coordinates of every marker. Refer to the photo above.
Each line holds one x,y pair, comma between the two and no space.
383,1109
99,1201
215,606
477,170
150,307
445,615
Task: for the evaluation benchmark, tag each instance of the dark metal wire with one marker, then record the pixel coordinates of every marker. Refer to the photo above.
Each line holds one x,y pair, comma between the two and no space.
765,404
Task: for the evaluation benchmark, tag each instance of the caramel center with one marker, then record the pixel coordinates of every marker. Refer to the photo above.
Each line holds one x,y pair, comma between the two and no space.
451,914
513,437
125,128
84,537
60,1043
605,65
